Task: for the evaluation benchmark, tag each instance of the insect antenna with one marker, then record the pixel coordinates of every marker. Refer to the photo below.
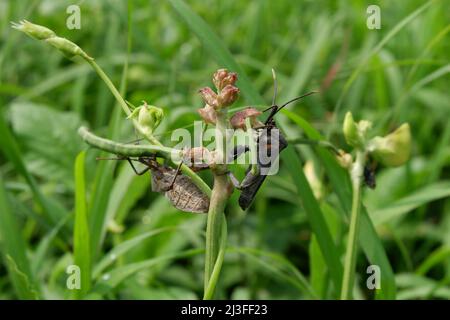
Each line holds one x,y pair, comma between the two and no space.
275,108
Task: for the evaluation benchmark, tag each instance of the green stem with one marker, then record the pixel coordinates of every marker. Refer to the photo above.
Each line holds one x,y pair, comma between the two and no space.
127,150
110,85
350,254
209,292
215,227
319,143
131,150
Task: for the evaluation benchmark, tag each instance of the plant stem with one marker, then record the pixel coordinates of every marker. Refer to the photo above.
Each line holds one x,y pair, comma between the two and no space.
352,242
128,150
209,292
319,143
110,85
131,150
215,227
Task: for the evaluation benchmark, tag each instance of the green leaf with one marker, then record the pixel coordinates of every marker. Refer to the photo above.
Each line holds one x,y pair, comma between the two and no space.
21,281
99,203
280,267
307,62
14,247
11,238
413,286
216,47
437,256
315,217
10,149
317,264
128,188
81,236
126,246
364,61
218,50
413,201
50,163
42,249
114,277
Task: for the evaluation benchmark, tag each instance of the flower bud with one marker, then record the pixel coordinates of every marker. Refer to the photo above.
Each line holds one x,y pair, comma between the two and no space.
67,47
228,96
237,121
350,130
208,114
313,180
344,159
355,132
222,78
209,97
33,30
148,117
394,149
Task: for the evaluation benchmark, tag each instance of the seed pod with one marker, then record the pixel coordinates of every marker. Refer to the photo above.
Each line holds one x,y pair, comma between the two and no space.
67,47
34,30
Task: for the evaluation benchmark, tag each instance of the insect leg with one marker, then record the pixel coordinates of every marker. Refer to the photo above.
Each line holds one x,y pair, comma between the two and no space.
234,180
139,173
177,172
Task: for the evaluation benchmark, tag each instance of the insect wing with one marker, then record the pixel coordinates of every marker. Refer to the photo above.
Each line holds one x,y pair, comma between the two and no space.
186,196
183,194
267,150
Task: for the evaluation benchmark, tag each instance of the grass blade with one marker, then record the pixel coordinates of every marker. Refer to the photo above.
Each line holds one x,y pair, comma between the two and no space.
81,236
126,246
404,205
14,249
437,256
113,278
398,27
21,281
368,237
10,149
315,217
218,50
215,46
276,264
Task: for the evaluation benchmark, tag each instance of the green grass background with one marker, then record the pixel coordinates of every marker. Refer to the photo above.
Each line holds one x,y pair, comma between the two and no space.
59,207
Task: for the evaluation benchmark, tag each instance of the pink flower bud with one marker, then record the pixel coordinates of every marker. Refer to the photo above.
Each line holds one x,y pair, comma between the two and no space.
209,96
222,78
208,114
238,119
228,96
